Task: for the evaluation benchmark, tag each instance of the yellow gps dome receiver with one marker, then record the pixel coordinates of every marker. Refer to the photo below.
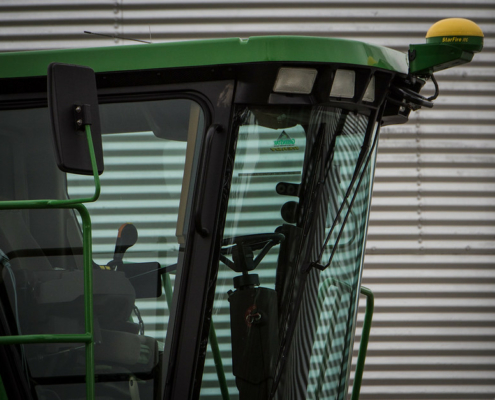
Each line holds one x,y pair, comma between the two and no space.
449,42
460,32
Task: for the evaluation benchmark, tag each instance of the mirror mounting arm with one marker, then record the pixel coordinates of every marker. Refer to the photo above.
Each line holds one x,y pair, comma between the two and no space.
96,176
82,116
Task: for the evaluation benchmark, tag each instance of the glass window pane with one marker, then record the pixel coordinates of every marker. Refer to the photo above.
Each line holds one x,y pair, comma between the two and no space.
292,170
150,151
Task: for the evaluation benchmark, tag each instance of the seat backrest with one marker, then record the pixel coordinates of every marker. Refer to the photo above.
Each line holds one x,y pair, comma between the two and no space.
17,242
34,239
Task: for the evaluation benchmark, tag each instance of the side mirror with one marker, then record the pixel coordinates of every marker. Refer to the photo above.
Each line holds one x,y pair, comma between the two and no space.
73,104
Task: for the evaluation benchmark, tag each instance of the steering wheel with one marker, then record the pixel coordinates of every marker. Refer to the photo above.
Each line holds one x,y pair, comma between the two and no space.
242,248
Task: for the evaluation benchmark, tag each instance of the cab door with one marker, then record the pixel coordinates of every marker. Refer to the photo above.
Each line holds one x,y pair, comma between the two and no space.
165,149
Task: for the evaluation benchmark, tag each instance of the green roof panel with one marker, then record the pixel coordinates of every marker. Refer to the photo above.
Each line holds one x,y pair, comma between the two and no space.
206,52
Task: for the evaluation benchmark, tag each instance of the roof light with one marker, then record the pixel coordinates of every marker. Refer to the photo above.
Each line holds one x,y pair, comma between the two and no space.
295,80
343,84
369,95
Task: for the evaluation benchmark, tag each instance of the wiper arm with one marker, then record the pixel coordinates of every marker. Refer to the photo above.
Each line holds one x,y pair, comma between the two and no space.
316,263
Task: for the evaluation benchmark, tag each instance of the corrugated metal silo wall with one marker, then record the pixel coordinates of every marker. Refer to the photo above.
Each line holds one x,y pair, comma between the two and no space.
431,245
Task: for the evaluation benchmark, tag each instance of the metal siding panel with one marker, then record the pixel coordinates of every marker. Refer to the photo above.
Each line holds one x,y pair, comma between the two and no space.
51,24
430,252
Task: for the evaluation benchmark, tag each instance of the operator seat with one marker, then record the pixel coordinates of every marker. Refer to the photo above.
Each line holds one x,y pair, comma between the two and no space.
43,277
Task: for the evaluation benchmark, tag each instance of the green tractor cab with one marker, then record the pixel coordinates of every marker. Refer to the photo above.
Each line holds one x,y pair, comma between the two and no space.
188,220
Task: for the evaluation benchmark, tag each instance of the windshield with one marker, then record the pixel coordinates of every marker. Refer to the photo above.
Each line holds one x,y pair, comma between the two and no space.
284,329
139,229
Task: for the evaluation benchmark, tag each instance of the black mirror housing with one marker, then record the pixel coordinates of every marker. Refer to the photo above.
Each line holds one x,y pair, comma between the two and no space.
73,103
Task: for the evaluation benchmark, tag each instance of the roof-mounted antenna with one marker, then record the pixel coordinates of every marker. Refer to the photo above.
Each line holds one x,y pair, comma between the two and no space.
116,37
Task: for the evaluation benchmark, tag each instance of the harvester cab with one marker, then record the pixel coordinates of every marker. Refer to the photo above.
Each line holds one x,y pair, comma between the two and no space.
188,220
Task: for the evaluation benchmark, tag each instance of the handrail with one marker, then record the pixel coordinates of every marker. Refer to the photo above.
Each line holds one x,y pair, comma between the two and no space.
215,349
363,346
88,337
222,381
365,335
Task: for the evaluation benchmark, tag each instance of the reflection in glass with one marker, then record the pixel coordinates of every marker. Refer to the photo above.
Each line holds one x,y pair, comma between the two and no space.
139,229
292,170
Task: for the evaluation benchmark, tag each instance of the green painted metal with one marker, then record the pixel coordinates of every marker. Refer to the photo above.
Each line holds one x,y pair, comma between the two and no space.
207,52
365,335
88,285
432,57
215,349
46,338
3,393
363,346
167,287
222,381
87,337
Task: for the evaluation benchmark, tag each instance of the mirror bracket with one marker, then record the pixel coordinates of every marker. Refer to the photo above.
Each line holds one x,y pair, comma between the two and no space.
82,116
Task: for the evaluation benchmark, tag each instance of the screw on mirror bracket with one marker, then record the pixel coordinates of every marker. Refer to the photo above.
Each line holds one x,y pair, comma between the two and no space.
82,116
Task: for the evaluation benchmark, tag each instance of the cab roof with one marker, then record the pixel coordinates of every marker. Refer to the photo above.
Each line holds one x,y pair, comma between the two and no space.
207,52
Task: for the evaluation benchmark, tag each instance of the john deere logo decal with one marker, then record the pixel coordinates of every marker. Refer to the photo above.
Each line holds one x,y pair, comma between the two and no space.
284,143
